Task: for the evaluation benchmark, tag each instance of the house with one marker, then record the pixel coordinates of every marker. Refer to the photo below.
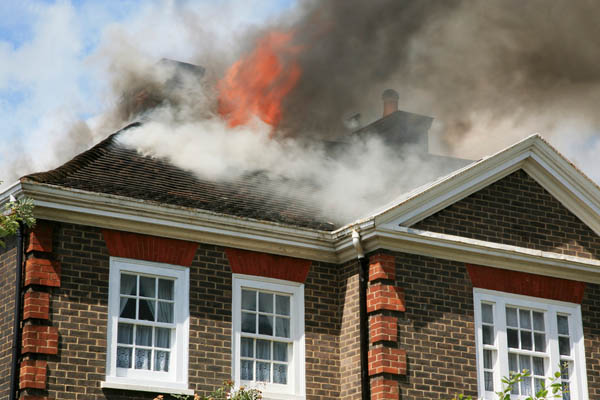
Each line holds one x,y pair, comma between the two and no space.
141,279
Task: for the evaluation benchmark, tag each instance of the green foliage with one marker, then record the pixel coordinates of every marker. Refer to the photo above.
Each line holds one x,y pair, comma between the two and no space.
553,391
13,213
222,393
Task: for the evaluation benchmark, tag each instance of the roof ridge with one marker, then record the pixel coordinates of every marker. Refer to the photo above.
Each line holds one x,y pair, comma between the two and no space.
81,160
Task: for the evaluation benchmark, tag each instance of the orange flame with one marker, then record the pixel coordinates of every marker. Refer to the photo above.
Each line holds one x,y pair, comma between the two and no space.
257,84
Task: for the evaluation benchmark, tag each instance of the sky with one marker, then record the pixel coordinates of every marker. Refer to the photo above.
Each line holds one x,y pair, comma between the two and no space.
54,71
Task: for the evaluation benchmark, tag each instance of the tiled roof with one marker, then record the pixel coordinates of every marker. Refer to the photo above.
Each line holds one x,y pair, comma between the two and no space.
111,168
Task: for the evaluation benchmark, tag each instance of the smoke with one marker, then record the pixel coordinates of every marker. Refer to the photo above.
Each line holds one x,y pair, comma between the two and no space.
490,73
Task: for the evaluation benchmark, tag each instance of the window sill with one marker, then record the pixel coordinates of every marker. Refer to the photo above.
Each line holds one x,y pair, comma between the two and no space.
154,388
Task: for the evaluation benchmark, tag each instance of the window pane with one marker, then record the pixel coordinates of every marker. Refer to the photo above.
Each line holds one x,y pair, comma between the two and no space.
282,327
487,359
263,349
513,364
265,325
511,317
539,383
489,381
282,304
127,308
564,371
146,310
280,351
265,302
526,386
538,321
524,363
147,286
123,357
247,347
163,338
125,334
564,347
249,300
525,319
563,324
540,341
538,366
248,322
280,373
142,359
526,343
165,289
143,335
128,284
165,312
263,371
247,370
161,361
487,315
512,336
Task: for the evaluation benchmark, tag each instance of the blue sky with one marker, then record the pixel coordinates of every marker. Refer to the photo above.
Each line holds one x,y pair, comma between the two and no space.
53,53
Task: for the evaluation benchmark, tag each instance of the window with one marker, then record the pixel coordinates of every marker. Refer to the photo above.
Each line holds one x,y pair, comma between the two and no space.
147,326
520,332
268,336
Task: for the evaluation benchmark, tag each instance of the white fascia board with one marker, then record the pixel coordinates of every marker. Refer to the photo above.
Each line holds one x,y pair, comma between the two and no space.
15,190
116,212
449,247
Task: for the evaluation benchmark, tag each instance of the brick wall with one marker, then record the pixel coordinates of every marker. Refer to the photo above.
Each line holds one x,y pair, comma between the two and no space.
79,310
350,331
436,330
590,312
7,297
516,211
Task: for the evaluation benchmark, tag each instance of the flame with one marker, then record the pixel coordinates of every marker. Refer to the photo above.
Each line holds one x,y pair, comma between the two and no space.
257,84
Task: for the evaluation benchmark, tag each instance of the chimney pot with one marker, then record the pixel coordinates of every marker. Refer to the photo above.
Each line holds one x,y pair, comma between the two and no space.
390,101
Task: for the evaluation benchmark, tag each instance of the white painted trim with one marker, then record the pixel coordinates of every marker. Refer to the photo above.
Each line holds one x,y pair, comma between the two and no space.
177,377
295,389
142,387
551,308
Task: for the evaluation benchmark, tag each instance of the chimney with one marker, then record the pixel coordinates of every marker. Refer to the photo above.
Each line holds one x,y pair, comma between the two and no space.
390,101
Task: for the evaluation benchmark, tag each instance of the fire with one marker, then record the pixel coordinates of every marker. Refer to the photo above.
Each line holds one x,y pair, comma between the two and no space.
257,84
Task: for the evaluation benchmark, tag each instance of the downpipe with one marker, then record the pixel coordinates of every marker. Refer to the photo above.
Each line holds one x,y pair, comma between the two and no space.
14,375
363,273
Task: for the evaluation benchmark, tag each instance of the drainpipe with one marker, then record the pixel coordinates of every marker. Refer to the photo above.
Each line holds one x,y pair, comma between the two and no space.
363,274
14,375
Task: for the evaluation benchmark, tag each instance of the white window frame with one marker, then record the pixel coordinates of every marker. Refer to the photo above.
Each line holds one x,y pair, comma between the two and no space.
176,380
295,388
499,300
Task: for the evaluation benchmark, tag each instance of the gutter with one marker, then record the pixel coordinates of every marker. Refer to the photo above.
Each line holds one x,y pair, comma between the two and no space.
16,348
363,272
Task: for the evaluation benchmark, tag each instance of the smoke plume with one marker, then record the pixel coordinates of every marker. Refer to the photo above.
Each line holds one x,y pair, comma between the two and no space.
490,73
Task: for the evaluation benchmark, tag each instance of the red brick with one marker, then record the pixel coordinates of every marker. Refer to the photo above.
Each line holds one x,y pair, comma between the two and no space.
36,305
386,360
384,389
382,266
149,248
40,339
385,297
383,328
33,374
39,271
40,238
268,265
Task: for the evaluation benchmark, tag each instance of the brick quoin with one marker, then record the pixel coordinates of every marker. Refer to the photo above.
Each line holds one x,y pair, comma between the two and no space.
384,389
383,328
33,375
40,339
382,266
39,271
386,360
36,305
385,297
40,238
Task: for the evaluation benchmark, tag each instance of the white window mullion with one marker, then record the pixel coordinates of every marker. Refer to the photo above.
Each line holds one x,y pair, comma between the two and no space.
502,344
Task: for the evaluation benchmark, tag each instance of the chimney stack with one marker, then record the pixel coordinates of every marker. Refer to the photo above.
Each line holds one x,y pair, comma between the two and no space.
390,101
